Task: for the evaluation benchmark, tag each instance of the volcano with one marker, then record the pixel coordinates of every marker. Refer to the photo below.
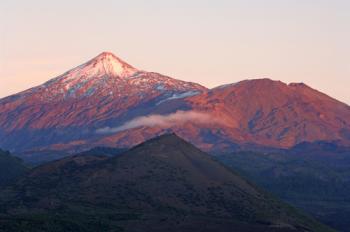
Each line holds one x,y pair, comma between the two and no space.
107,102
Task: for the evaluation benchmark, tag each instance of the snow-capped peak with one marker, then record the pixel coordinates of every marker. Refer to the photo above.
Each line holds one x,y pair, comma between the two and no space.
111,65
108,75
104,65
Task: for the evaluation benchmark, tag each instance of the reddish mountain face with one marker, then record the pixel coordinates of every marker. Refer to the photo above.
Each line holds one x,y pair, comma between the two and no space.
110,103
254,113
272,113
103,88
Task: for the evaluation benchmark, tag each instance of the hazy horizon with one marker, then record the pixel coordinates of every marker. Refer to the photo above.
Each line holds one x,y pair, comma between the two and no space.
198,41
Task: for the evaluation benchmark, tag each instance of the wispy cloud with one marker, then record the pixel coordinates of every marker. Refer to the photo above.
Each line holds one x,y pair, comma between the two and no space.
179,117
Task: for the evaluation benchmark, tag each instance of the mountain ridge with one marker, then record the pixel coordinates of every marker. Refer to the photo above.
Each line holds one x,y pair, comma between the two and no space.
65,112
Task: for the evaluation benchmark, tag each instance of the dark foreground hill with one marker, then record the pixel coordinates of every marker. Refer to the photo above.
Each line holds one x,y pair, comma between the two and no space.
313,177
10,168
164,184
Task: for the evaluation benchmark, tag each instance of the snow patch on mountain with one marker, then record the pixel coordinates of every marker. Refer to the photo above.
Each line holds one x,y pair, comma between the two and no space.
160,87
226,85
179,96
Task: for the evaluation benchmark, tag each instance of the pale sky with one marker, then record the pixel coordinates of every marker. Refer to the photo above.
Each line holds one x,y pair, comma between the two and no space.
211,42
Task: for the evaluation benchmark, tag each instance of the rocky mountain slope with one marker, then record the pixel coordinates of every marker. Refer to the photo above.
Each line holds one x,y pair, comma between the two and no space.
102,91
107,102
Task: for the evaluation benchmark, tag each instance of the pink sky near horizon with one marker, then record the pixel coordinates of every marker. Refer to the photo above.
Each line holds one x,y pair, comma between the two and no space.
208,42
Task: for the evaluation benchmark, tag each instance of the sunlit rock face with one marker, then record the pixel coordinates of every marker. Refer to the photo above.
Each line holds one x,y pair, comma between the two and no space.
69,112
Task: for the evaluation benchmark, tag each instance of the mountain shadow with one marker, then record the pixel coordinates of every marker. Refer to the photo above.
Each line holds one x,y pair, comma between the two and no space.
164,184
312,177
11,168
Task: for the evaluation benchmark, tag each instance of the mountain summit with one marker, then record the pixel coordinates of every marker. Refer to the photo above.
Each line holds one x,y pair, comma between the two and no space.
84,80
105,75
105,63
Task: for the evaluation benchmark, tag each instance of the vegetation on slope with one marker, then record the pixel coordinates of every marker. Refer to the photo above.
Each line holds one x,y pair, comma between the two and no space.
165,184
318,184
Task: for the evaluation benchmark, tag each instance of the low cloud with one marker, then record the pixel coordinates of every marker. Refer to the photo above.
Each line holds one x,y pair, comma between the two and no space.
179,117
